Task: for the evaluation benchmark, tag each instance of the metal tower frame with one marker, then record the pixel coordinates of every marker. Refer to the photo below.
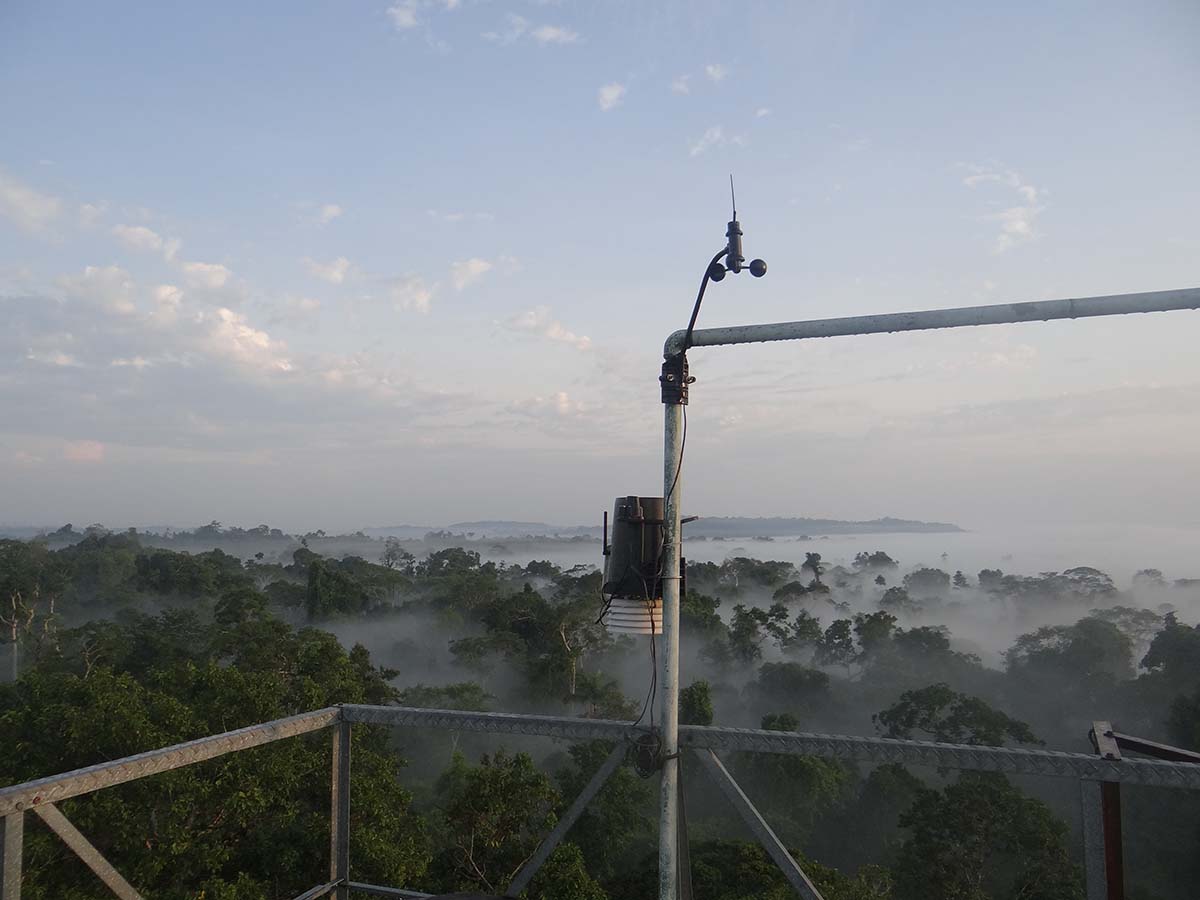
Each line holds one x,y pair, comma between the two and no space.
41,797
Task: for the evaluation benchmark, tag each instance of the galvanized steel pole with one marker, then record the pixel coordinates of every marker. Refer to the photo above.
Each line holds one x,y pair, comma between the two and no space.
999,314
675,376
668,843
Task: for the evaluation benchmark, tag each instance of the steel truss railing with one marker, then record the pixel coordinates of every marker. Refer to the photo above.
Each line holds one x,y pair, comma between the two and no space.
40,796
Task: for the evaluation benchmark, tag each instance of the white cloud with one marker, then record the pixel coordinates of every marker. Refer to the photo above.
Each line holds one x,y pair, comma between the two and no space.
451,5
610,95
334,271
557,405
28,209
716,72
540,322
213,276
1017,223
328,213
229,335
83,451
138,237
111,287
713,137
680,85
133,362
411,293
454,217
52,357
514,28
762,112
467,272
554,34
89,213
403,15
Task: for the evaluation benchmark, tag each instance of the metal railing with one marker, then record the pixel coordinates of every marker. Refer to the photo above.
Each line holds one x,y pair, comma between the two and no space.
1094,772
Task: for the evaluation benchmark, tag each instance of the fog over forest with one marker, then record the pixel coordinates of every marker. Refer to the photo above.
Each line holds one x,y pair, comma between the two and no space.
123,641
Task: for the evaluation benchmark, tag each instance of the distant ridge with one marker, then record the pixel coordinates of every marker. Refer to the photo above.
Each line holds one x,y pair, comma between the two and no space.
740,526
717,526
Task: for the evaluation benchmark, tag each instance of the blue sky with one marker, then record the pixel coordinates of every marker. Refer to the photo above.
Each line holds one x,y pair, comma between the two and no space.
339,264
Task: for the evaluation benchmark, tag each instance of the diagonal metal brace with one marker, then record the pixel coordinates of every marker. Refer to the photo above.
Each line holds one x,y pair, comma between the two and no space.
12,848
569,818
83,848
319,891
753,818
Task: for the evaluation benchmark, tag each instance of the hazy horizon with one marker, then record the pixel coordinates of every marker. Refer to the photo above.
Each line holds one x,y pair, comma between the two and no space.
328,266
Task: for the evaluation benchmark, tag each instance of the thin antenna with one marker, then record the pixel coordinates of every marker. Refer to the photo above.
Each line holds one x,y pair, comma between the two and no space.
732,197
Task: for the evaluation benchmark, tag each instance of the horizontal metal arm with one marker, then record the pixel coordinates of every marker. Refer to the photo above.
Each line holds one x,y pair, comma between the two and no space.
83,781
1051,763
999,314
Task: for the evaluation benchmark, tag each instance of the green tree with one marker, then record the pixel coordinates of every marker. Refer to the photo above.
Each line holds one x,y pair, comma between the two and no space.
695,704
941,714
982,839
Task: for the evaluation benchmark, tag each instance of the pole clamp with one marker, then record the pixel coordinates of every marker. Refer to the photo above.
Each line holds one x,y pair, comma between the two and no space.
675,380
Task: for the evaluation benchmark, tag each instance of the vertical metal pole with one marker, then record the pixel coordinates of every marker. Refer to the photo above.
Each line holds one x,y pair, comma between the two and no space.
12,839
339,823
1101,843
668,846
1114,858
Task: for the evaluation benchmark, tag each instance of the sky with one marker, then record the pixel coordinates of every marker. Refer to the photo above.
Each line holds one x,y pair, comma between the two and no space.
348,264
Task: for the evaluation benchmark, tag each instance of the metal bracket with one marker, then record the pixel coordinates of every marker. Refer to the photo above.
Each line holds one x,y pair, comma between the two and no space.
675,380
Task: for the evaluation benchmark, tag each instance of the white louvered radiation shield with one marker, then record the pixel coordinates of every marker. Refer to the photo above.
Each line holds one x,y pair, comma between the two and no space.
632,616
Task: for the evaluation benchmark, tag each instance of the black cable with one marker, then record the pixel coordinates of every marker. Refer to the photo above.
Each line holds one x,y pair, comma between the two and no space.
678,468
687,338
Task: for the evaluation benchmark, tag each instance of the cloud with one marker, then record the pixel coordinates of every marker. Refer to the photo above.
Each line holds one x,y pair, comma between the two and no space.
213,276
228,334
716,72
83,451
409,292
514,28
134,362
610,95
557,405
540,322
29,210
139,237
1017,223
334,271
109,287
467,272
762,112
713,137
89,214
52,357
403,15
454,217
680,85
554,34
328,213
